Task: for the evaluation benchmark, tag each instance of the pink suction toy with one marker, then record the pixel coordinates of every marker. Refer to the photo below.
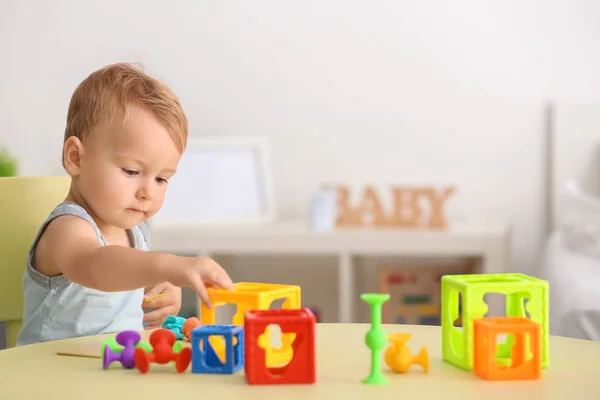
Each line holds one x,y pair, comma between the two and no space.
127,339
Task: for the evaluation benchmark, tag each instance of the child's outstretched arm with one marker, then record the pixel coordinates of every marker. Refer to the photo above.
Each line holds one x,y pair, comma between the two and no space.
69,246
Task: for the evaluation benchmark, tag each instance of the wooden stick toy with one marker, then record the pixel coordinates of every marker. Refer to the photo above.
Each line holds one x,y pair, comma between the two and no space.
158,296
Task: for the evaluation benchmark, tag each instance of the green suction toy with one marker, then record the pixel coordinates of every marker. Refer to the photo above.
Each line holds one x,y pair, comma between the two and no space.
376,337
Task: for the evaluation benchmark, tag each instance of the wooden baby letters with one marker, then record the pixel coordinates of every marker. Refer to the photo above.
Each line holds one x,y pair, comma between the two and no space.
412,208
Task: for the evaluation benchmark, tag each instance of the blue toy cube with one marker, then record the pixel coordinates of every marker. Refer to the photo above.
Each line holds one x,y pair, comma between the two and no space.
207,353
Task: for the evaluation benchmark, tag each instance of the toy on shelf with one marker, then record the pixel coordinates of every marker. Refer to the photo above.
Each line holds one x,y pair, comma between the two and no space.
415,290
188,325
253,296
457,344
122,348
376,337
398,356
206,360
163,344
525,360
300,324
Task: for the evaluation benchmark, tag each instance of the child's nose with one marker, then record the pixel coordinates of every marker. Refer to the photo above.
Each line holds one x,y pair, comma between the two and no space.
143,194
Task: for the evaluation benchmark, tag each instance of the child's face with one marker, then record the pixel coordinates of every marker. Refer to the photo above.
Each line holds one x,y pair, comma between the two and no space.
124,170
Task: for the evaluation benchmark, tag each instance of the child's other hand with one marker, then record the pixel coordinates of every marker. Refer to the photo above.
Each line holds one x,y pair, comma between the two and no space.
199,273
163,306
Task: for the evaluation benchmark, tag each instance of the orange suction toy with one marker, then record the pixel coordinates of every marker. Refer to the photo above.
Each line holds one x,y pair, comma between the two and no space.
398,356
188,325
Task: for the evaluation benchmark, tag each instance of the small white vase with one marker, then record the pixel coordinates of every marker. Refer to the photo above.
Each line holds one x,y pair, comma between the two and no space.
323,210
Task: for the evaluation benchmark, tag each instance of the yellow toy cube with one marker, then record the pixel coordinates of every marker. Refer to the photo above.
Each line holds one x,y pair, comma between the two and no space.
250,296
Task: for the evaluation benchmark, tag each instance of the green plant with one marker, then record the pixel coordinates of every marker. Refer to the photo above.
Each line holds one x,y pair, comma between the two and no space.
8,164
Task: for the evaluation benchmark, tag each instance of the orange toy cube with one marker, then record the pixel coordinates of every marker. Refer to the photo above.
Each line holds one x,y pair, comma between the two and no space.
301,369
527,339
253,296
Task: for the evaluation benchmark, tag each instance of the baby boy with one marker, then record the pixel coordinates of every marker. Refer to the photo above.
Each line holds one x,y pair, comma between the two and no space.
90,268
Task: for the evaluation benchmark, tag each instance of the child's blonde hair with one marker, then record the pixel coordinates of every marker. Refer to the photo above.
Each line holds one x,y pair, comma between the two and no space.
108,92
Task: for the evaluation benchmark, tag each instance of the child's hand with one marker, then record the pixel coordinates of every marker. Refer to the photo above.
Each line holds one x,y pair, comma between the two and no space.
199,273
164,306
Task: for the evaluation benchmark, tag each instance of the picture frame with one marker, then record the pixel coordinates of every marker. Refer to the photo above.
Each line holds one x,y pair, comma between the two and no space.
220,180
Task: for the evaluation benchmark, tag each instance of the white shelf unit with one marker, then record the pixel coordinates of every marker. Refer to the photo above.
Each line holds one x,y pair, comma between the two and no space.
488,242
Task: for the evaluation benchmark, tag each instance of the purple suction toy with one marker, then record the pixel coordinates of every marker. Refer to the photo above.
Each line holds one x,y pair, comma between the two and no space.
127,339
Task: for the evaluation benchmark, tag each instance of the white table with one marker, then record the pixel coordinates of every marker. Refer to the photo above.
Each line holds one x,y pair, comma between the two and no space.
490,242
342,361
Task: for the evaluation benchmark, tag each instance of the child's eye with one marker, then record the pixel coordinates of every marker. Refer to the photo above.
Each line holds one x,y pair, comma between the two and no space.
129,172
161,180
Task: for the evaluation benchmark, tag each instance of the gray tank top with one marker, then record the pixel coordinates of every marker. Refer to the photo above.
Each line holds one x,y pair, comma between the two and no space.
56,308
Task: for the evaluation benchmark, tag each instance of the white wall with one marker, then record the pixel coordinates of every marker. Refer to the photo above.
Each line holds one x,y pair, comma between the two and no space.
351,91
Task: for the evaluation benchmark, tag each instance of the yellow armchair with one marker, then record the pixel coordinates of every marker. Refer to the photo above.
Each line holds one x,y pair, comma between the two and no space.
25,202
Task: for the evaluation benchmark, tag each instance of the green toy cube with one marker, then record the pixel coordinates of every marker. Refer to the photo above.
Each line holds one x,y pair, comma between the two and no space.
457,344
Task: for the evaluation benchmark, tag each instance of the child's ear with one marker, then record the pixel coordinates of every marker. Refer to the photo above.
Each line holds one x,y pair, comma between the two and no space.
72,154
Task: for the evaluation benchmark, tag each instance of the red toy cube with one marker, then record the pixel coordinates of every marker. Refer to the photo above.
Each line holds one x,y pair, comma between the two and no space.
301,369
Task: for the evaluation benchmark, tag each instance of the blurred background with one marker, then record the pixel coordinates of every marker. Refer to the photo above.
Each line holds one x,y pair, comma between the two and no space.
346,92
